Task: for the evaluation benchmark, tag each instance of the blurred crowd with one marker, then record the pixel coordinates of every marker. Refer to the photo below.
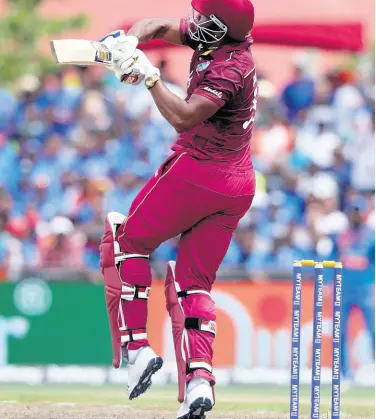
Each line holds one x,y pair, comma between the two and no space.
77,145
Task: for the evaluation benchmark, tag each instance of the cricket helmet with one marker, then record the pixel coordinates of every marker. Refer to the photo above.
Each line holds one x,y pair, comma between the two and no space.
210,20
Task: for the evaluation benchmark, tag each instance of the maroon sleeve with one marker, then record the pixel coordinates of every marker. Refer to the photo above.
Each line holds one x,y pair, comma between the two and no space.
222,82
184,35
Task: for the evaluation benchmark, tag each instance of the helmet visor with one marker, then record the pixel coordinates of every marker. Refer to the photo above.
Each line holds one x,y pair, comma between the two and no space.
206,29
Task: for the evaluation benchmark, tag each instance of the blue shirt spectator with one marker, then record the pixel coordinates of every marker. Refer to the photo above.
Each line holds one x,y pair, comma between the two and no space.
299,94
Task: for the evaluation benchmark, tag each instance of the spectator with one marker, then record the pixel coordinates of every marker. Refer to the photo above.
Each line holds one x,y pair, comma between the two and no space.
273,141
355,247
346,99
73,146
299,94
323,214
59,245
121,196
319,146
8,164
7,106
11,258
360,151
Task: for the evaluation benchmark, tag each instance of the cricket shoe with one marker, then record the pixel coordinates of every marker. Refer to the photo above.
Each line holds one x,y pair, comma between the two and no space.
198,400
142,364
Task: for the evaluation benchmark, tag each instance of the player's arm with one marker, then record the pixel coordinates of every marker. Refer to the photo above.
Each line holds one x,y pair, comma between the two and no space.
220,84
157,28
182,115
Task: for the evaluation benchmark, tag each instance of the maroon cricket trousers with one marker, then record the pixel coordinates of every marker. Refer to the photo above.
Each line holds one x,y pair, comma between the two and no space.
201,200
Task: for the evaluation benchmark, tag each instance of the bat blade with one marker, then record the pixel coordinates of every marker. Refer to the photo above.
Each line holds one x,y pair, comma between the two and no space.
80,52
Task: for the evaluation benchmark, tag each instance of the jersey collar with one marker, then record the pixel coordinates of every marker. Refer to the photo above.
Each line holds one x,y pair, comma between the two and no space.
233,46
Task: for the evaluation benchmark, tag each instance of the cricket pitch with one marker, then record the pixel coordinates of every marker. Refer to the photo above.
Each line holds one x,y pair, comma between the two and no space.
111,402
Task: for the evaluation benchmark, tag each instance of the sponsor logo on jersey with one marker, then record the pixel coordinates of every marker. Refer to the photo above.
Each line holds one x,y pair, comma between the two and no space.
214,92
208,51
203,66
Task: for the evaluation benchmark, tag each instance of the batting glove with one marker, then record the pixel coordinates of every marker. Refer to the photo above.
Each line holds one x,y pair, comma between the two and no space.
122,47
143,61
141,69
118,40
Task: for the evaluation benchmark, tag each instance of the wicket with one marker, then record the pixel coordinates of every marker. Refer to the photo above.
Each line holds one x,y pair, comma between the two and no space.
317,337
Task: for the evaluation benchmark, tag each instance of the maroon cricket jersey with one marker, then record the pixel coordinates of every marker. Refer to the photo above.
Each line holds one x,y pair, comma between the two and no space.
227,76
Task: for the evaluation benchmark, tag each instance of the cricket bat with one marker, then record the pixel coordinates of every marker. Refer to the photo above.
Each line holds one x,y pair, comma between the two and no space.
81,52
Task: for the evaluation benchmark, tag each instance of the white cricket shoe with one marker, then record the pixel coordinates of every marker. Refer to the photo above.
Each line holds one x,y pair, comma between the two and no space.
143,363
198,400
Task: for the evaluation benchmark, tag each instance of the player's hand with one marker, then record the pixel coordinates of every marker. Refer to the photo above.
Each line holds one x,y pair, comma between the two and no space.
119,40
120,63
133,72
122,47
125,68
143,60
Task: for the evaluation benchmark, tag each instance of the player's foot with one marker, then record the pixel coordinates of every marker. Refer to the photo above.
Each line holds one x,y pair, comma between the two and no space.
142,364
198,400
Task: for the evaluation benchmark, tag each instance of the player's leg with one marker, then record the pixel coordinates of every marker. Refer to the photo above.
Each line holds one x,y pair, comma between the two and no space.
119,292
192,309
126,245
166,206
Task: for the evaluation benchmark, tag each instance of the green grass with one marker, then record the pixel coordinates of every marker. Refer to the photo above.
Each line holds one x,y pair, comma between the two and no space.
356,401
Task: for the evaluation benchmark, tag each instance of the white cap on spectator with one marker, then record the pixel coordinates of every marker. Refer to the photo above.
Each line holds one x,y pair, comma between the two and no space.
324,247
302,60
61,225
334,223
324,186
27,83
266,89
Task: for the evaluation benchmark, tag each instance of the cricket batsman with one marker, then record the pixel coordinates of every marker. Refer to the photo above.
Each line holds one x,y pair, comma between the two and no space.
200,192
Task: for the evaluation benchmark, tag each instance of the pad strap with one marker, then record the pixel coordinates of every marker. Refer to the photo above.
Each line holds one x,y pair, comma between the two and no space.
130,335
199,323
199,363
129,292
120,256
184,294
